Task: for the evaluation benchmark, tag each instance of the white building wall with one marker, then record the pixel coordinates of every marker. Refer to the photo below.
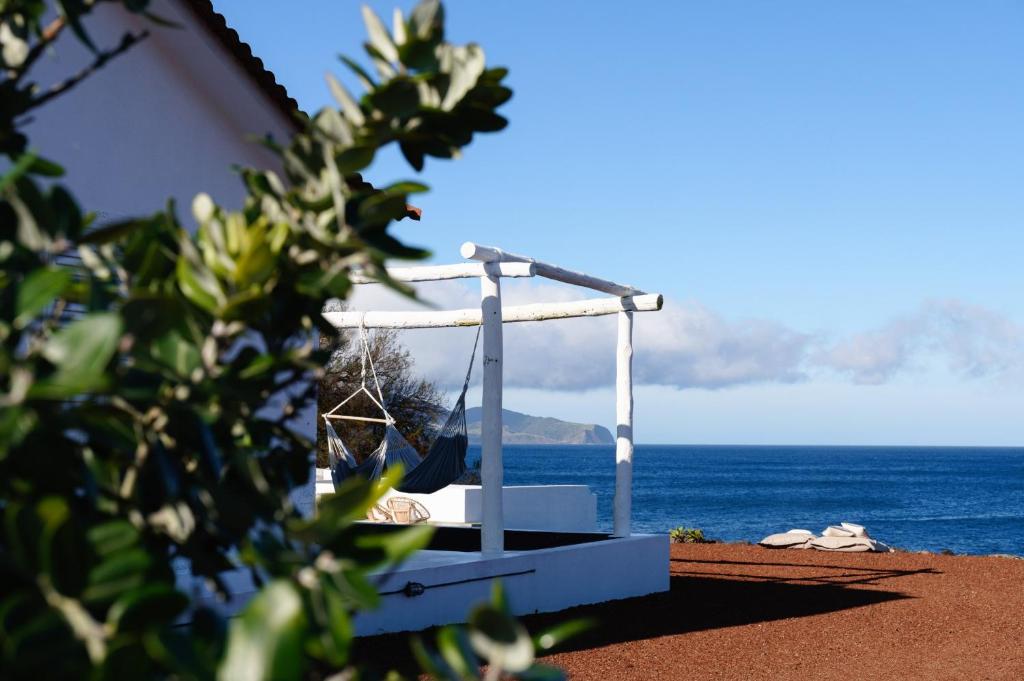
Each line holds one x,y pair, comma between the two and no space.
166,119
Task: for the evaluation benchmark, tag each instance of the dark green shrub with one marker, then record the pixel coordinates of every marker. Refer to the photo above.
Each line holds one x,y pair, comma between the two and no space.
687,535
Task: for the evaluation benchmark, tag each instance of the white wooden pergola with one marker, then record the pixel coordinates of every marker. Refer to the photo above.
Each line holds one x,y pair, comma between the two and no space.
491,265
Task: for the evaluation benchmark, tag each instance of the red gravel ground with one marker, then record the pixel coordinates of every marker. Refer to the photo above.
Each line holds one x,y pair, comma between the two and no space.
744,612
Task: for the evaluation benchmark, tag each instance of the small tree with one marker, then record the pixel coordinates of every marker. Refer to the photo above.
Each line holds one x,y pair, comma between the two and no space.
158,425
416,404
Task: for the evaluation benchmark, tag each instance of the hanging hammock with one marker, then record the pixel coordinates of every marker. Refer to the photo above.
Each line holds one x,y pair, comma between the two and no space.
443,464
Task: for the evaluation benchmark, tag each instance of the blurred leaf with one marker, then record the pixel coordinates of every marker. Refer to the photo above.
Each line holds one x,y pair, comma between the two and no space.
73,11
112,536
46,168
112,232
15,424
398,546
455,648
405,188
482,120
354,159
413,155
81,351
176,353
196,280
426,661
467,64
360,72
427,19
379,36
21,166
558,634
397,97
338,623
393,247
500,639
345,100
37,291
265,640
498,598
145,607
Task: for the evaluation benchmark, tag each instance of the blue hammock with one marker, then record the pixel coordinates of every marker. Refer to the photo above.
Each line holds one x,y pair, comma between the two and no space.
443,464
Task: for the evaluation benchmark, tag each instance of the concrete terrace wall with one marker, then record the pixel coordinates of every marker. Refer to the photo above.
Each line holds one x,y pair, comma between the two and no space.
545,580
555,508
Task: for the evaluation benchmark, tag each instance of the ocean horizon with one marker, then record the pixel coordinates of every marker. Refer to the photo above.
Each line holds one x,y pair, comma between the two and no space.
919,498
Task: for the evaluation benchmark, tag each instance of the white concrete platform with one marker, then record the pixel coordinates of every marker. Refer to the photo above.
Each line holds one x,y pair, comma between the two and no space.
540,580
553,508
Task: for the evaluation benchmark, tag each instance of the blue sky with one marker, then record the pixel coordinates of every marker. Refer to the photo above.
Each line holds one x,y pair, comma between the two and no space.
830,196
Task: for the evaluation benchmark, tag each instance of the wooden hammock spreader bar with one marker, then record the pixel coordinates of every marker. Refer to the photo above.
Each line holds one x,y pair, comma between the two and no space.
472,251
430,319
462,270
355,418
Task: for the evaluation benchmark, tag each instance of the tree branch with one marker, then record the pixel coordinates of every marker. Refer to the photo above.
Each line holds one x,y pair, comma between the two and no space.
127,42
46,38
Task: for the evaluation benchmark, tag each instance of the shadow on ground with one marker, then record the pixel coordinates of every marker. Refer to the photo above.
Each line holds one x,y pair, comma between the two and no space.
703,594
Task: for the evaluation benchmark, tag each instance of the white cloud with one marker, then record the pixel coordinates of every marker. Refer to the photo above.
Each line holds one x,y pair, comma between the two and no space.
687,345
973,342
684,345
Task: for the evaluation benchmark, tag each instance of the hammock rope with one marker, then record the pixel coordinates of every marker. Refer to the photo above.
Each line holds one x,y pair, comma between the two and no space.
443,464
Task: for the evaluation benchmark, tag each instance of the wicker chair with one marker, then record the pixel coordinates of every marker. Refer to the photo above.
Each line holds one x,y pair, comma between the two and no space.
379,514
406,511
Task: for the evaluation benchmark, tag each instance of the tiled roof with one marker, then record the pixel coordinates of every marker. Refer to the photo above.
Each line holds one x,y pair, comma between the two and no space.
253,66
263,77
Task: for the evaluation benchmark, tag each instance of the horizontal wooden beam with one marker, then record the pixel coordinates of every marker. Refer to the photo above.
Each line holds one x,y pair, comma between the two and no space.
462,270
472,251
535,312
343,417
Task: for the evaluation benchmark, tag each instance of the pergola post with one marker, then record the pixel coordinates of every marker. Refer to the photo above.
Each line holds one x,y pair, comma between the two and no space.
492,471
623,504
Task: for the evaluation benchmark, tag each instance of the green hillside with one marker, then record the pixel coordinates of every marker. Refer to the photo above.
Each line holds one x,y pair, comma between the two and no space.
540,430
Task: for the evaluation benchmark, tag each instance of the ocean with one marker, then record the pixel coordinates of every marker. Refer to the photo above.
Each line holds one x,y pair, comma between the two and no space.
964,499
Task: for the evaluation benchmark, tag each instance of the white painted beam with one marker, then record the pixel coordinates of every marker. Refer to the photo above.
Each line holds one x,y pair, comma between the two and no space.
534,312
622,505
492,470
462,270
472,251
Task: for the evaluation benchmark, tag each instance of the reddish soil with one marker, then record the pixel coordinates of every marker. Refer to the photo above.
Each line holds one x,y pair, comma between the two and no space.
744,612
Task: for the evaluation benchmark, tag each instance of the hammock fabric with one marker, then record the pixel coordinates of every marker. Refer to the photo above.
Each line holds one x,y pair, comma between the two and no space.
444,463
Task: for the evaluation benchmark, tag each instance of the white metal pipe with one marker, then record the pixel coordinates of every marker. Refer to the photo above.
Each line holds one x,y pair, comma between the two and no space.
462,270
622,506
492,472
472,251
428,319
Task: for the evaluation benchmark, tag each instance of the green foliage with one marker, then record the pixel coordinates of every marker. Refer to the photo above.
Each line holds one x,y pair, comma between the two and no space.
149,393
493,636
687,535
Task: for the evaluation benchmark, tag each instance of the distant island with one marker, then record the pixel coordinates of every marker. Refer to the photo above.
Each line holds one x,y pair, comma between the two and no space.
523,429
